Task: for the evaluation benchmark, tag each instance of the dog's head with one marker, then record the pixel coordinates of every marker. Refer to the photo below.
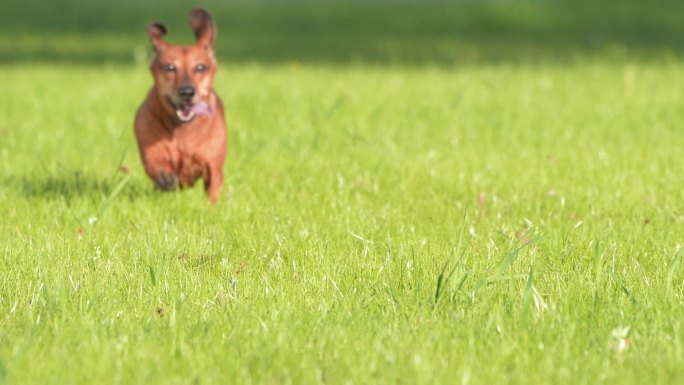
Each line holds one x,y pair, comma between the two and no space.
183,75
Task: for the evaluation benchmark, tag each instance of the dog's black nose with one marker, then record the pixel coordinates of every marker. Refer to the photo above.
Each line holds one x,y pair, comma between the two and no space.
186,92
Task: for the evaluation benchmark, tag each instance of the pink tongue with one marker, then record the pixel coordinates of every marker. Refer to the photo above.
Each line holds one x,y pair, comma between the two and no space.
202,108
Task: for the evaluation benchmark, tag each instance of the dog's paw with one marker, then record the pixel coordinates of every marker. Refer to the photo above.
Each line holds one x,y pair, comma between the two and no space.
166,182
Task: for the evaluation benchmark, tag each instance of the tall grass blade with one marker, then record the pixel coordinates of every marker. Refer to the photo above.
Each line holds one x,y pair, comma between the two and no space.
528,293
674,264
598,265
503,265
443,279
113,194
618,281
153,278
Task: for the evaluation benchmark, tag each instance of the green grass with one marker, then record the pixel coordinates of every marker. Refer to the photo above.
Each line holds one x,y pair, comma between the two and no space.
383,222
401,32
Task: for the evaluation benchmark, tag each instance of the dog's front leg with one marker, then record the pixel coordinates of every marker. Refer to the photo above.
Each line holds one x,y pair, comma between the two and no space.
158,161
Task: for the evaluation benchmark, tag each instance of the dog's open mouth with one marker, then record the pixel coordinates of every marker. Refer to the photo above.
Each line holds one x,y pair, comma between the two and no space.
187,111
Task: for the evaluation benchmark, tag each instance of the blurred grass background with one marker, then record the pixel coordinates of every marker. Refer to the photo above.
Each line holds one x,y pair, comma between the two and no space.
343,32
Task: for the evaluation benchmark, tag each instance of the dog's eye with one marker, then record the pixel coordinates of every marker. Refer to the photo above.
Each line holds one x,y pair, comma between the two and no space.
200,68
170,67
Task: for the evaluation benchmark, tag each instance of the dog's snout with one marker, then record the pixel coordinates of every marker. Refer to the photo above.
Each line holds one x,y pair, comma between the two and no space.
186,92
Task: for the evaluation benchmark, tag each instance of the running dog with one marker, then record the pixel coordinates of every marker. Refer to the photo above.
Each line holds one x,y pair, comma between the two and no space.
180,127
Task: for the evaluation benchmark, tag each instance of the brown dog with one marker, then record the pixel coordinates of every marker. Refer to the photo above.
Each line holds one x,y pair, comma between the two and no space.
180,127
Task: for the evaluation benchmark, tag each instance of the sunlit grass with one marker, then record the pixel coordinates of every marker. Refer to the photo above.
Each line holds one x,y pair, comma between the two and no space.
459,193
512,224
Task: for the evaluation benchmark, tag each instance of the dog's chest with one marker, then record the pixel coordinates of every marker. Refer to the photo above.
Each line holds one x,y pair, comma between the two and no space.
188,162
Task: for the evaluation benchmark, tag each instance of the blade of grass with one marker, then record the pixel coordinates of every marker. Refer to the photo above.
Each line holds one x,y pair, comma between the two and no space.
598,265
503,265
618,281
527,296
113,194
674,264
442,279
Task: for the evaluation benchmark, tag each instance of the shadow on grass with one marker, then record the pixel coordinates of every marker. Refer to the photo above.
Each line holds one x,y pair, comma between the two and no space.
335,32
73,185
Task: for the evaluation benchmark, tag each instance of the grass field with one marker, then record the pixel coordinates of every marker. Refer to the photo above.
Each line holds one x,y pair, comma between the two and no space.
493,198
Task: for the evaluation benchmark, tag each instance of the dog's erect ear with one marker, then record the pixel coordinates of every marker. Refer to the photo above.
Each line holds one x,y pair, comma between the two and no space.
203,27
156,31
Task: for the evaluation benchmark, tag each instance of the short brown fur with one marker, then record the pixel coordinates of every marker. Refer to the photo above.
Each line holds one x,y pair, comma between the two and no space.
180,127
